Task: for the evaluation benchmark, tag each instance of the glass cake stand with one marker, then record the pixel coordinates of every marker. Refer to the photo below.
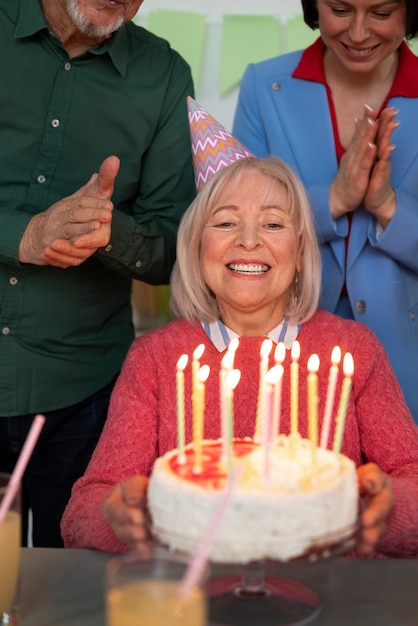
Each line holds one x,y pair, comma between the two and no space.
252,597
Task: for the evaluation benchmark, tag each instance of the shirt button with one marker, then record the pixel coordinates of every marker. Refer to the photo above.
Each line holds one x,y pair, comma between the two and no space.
138,264
41,179
413,317
276,86
55,123
361,306
5,330
13,280
108,248
67,66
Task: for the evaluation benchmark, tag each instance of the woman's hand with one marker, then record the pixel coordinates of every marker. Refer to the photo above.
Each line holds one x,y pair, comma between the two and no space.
365,169
375,490
125,510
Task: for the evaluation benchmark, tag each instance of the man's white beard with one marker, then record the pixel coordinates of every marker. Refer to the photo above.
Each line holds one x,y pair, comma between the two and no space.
85,27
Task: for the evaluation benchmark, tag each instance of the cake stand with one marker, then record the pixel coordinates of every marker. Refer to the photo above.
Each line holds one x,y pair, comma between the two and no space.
253,597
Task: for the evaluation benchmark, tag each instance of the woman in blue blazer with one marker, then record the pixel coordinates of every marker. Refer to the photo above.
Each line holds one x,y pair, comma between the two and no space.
344,114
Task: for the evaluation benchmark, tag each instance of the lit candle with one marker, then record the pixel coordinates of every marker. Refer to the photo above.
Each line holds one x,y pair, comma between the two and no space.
329,402
197,355
227,365
265,350
231,382
272,377
198,417
279,357
181,366
312,383
294,387
348,369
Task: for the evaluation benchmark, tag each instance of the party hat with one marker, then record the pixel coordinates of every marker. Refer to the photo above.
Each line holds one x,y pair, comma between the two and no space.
213,147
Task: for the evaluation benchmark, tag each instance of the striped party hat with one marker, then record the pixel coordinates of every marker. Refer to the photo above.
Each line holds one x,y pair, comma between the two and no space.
213,147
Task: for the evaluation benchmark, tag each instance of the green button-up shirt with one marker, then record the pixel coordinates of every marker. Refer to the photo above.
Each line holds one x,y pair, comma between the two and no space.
65,333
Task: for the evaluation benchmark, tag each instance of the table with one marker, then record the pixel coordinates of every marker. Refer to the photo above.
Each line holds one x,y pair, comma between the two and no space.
66,588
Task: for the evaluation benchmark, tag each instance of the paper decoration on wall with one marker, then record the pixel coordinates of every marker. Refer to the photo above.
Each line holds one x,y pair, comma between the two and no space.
172,25
298,34
213,147
246,39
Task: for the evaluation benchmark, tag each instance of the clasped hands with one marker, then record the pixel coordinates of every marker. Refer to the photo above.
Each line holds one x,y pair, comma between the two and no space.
72,229
125,509
365,169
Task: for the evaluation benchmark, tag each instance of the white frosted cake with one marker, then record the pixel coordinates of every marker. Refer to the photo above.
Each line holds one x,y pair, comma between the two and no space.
306,504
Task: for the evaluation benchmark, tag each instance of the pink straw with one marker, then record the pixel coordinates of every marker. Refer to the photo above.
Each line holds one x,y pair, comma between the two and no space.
21,464
197,564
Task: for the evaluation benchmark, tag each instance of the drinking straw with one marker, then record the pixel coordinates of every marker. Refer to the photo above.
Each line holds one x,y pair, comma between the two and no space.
21,464
198,562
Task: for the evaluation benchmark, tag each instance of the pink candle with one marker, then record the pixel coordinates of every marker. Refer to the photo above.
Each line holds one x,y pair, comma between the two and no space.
181,366
198,417
329,402
272,377
312,383
265,350
348,369
294,387
231,382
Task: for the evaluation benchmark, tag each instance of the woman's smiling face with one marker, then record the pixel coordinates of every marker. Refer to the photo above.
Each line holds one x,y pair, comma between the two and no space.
361,34
250,249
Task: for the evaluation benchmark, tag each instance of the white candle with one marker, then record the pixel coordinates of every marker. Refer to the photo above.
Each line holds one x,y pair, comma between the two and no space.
198,417
265,350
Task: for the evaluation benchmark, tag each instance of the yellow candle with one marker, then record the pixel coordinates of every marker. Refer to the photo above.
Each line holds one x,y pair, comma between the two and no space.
265,350
348,369
272,378
294,387
231,382
312,382
329,402
181,366
198,417
197,355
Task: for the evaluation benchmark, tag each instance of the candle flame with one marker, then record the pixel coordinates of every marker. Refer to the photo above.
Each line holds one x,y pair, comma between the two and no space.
336,355
203,373
313,363
280,352
295,351
266,347
228,360
233,345
199,351
182,362
274,374
233,379
348,364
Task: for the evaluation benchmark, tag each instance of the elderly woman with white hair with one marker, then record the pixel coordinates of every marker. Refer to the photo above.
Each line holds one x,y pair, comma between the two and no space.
248,266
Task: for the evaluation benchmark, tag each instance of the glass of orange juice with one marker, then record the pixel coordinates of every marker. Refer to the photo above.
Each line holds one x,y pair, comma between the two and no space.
146,591
9,556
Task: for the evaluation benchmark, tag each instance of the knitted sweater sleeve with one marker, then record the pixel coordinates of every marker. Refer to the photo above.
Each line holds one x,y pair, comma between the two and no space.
389,438
128,446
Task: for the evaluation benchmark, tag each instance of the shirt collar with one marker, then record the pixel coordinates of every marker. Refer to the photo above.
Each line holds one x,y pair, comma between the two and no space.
311,67
32,20
221,336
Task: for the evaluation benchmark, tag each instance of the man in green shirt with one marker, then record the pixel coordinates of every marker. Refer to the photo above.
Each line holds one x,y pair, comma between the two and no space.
84,90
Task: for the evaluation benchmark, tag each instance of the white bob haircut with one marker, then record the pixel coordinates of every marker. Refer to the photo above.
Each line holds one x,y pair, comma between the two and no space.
190,296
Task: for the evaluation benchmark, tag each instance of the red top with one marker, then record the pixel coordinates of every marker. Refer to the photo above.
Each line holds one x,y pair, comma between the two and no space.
142,422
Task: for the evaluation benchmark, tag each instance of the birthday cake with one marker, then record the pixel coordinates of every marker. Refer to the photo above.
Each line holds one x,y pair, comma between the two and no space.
304,506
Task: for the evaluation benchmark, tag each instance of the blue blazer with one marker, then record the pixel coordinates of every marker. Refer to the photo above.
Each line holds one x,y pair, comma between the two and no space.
289,117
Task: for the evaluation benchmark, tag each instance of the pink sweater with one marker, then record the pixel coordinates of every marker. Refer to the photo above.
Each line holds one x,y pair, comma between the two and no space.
142,419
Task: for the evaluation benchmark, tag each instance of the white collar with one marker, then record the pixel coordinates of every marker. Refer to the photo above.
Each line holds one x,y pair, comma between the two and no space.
221,336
